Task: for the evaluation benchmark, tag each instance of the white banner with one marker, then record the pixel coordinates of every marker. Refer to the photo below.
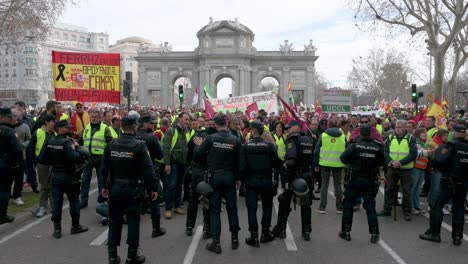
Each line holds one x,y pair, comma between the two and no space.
265,100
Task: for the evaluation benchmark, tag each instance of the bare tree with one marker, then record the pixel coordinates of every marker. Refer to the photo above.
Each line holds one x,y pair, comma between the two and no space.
20,19
381,74
439,21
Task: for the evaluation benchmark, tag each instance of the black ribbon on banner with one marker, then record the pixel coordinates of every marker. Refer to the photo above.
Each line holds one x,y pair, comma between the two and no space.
61,68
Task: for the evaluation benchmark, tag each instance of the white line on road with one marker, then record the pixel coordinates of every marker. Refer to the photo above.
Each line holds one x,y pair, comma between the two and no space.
444,225
193,246
34,223
101,238
289,240
391,252
384,245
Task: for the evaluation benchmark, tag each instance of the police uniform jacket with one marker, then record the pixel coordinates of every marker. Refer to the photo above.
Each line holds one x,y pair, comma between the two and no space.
10,151
364,155
60,154
192,148
299,155
257,160
451,159
152,144
126,159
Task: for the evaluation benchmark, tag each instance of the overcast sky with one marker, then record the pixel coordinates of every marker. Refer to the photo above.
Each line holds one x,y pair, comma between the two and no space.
328,22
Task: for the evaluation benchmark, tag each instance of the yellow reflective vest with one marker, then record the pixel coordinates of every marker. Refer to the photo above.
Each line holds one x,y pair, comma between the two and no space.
280,146
41,136
95,143
160,143
379,128
430,134
399,151
331,150
176,135
113,133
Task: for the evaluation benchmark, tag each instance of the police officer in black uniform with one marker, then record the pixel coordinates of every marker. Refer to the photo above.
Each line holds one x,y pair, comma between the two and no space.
10,155
298,161
452,160
198,175
125,163
365,155
222,151
256,162
145,133
61,153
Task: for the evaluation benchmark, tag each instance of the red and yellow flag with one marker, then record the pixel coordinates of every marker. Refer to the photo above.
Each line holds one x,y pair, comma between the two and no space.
289,87
436,110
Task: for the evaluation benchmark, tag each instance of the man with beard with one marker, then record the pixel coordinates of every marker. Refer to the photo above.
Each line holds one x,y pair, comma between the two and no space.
198,175
51,109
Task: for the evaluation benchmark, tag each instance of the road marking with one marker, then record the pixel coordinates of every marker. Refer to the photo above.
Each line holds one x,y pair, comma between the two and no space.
384,245
289,240
444,225
101,238
34,223
193,246
391,252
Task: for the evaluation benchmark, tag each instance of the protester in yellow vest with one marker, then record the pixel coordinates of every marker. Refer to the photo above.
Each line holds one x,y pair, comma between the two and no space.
400,151
330,146
35,149
95,137
344,128
175,157
280,140
431,128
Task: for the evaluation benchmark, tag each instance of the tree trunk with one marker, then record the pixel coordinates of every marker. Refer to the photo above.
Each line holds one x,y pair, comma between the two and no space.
439,67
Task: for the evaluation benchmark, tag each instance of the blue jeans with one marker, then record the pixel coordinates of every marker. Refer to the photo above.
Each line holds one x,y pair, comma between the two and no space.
173,186
418,179
86,181
434,177
103,209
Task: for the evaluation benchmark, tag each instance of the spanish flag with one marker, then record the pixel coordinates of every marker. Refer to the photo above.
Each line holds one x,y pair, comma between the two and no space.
436,110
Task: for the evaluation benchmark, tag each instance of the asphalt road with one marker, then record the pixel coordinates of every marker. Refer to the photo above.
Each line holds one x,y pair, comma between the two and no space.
32,241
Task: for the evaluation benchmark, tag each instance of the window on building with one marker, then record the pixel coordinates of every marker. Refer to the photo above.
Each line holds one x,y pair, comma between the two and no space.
73,37
14,73
14,62
82,39
29,72
88,40
57,34
65,36
101,40
7,74
6,51
6,63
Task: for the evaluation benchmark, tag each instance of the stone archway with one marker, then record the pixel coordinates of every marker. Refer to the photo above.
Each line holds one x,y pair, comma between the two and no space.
268,83
187,86
219,81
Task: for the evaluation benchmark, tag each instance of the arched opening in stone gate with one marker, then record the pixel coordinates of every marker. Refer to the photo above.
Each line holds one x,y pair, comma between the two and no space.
187,85
268,83
224,86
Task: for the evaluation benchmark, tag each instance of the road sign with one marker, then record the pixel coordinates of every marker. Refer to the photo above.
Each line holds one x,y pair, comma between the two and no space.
336,101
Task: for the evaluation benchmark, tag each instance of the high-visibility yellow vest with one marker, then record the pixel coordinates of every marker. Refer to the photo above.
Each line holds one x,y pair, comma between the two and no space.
280,146
113,132
331,150
160,143
347,135
176,135
64,116
192,132
173,119
399,151
379,128
430,134
41,136
98,142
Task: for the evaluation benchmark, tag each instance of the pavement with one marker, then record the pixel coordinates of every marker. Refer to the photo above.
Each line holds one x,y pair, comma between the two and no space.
31,241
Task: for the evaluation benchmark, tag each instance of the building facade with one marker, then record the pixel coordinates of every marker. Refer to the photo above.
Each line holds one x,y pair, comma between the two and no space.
225,49
26,68
128,50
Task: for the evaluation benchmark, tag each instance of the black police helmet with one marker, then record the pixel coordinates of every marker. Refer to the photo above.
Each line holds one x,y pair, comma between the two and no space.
300,187
204,189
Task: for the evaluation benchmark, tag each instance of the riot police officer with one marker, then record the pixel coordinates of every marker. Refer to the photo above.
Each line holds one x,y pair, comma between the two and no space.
256,162
365,155
125,164
198,175
145,134
222,151
452,160
61,154
10,154
298,161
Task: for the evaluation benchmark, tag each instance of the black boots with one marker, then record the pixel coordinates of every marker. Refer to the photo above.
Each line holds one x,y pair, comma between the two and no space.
457,241
279,232
113,257
345,235
134,257
57,230
76,229
253,240
206,231
214,246
189,231
306,236
234,240
430,236
6,219
374,238
267,236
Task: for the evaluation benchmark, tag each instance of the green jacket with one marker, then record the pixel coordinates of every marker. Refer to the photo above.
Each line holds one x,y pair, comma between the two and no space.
179,152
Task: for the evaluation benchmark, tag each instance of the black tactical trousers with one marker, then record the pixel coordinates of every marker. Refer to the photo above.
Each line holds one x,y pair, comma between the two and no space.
122,203
192,209
457,193
224,185
72,192
6,180
284,207
367,189
251,199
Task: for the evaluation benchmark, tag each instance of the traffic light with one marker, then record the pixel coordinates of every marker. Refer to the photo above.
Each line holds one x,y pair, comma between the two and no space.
414,93
181,93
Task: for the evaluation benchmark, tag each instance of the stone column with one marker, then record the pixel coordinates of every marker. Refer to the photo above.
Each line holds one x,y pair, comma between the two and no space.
204,79
286,78
165,88
310,93
253,81
142,88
